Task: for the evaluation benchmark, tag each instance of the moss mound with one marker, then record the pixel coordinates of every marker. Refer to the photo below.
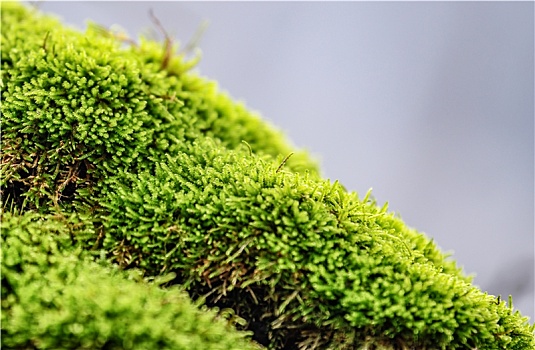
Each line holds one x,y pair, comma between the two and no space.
78,107
167,175
57,297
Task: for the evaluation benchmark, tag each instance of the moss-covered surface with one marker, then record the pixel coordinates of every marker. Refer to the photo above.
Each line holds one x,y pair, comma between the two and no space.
57,297
169,176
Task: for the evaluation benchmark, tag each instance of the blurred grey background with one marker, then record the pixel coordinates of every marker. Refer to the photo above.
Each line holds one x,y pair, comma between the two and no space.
431,104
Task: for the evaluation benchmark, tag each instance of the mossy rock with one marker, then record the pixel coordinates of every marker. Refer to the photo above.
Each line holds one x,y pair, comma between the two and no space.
169,176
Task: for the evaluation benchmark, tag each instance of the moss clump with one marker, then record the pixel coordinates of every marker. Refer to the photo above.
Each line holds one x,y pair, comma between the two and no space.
78,107
56,297
151,157
316,264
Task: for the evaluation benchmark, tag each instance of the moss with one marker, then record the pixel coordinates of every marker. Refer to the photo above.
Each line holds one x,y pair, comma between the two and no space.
74,116
55,296
173,178
317,264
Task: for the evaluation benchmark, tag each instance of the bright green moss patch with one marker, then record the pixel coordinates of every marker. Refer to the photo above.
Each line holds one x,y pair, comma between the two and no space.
78,107
168,175
56,297
314,262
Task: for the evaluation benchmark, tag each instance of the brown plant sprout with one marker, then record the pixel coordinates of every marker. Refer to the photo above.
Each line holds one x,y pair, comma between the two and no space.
284,162
191,46
168,41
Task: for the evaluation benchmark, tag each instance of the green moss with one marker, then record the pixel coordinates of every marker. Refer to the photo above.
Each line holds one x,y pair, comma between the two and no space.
170,176
57,297
80,106
316,263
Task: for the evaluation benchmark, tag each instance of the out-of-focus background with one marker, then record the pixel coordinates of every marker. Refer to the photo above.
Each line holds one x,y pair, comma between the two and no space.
431,104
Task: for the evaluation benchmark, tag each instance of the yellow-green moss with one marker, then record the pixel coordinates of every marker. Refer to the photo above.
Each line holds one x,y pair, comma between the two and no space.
172,176
56,297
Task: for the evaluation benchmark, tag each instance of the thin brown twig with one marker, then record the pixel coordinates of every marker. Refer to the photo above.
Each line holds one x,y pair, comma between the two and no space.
168,43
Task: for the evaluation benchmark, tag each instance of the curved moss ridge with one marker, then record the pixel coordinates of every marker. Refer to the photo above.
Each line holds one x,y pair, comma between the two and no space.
154,155
56,297
315,263
72,100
